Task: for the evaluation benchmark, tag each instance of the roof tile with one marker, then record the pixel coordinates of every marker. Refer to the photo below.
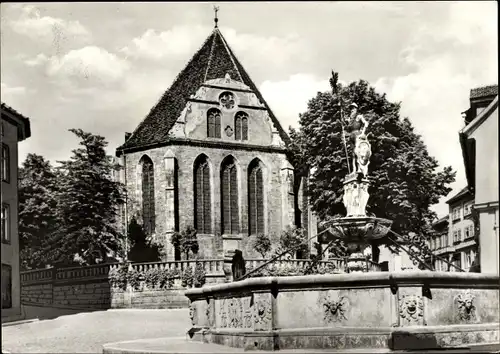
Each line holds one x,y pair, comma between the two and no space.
485,91
213,60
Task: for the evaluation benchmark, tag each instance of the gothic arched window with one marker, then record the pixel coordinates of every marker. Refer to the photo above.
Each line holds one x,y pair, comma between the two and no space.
255,199
148,195
213,123
229,198
241,126
202,196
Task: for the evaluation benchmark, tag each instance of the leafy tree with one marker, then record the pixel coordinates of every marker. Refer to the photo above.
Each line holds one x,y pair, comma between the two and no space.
405,178
141,248
292,239
38,219
186,241
262,244
88,201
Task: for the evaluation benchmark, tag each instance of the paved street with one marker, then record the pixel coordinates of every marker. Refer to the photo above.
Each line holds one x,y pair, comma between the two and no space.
87,332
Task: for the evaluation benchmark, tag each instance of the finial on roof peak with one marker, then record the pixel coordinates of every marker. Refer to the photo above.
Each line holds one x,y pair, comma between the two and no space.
216,9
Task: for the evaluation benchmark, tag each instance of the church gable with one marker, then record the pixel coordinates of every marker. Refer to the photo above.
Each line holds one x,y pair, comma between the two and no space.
226,110
181,110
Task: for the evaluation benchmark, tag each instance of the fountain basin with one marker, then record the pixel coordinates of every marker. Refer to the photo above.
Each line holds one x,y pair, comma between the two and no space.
406,310
356,229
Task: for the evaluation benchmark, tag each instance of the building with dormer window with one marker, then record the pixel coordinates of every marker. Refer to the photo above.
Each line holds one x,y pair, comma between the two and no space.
211,154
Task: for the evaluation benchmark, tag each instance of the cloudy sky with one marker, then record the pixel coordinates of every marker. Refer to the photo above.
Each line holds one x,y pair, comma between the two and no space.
102,66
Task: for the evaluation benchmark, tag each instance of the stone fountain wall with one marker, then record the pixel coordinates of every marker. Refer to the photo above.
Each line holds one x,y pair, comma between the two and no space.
365,310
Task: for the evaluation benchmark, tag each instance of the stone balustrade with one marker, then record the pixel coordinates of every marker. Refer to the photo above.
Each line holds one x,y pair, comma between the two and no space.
300,264
407,310
210,266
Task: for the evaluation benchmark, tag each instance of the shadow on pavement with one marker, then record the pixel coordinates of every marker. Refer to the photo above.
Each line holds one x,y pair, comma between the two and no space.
49,313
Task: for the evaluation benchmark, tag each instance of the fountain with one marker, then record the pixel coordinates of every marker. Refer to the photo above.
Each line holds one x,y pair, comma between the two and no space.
390,310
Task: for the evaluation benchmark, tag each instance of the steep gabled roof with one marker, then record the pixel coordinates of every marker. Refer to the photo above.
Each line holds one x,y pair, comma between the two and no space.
462,193
213,60
25,131
485,91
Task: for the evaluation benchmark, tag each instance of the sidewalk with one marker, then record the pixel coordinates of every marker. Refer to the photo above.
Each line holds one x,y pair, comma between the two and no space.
183,345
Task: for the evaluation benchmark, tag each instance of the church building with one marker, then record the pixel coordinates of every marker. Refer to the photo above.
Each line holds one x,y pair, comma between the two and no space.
212,155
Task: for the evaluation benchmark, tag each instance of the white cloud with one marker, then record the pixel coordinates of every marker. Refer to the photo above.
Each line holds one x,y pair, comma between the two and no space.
88,62
290,97
40,59
180,41
7,90
274,50
183,41
32,24
447,67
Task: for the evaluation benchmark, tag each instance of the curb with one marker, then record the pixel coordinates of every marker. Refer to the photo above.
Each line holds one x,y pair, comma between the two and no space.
15,323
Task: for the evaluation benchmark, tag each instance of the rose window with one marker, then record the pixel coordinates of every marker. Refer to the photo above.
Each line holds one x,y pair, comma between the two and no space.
226,100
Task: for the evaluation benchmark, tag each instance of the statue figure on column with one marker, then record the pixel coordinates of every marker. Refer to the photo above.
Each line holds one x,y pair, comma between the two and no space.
356,129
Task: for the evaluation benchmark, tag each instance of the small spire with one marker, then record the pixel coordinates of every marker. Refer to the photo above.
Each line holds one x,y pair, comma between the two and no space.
216,9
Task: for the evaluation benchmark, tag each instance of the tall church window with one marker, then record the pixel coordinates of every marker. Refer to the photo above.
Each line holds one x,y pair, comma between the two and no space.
148,195
255,199
229,198
202,196
241,126
213,123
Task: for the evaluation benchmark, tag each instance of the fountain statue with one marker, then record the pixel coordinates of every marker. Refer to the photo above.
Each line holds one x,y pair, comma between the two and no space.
356,229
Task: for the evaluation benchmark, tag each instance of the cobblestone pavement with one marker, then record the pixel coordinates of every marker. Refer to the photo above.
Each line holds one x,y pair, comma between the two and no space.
87,332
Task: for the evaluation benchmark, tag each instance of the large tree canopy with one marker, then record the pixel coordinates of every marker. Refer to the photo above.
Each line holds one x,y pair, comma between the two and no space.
87,203
38,218
405,181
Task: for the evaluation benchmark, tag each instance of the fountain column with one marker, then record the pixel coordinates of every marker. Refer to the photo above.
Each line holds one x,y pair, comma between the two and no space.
357,229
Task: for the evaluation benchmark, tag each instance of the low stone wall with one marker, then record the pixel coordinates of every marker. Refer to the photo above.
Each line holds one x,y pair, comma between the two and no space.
408,310
89,288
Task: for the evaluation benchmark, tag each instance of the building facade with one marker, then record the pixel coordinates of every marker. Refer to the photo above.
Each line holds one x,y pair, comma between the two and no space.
212,155
461,246
454,238
479,141
14,128
439,244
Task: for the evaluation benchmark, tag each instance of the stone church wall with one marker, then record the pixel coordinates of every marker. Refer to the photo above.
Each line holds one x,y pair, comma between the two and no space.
277,208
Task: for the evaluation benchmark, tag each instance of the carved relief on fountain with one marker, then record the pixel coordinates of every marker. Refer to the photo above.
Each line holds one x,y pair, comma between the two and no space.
263,312
193,315
411,309
466,307
236,312
355,196
334,308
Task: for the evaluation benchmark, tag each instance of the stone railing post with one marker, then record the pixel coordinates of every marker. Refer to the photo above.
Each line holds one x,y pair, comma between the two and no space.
228,262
